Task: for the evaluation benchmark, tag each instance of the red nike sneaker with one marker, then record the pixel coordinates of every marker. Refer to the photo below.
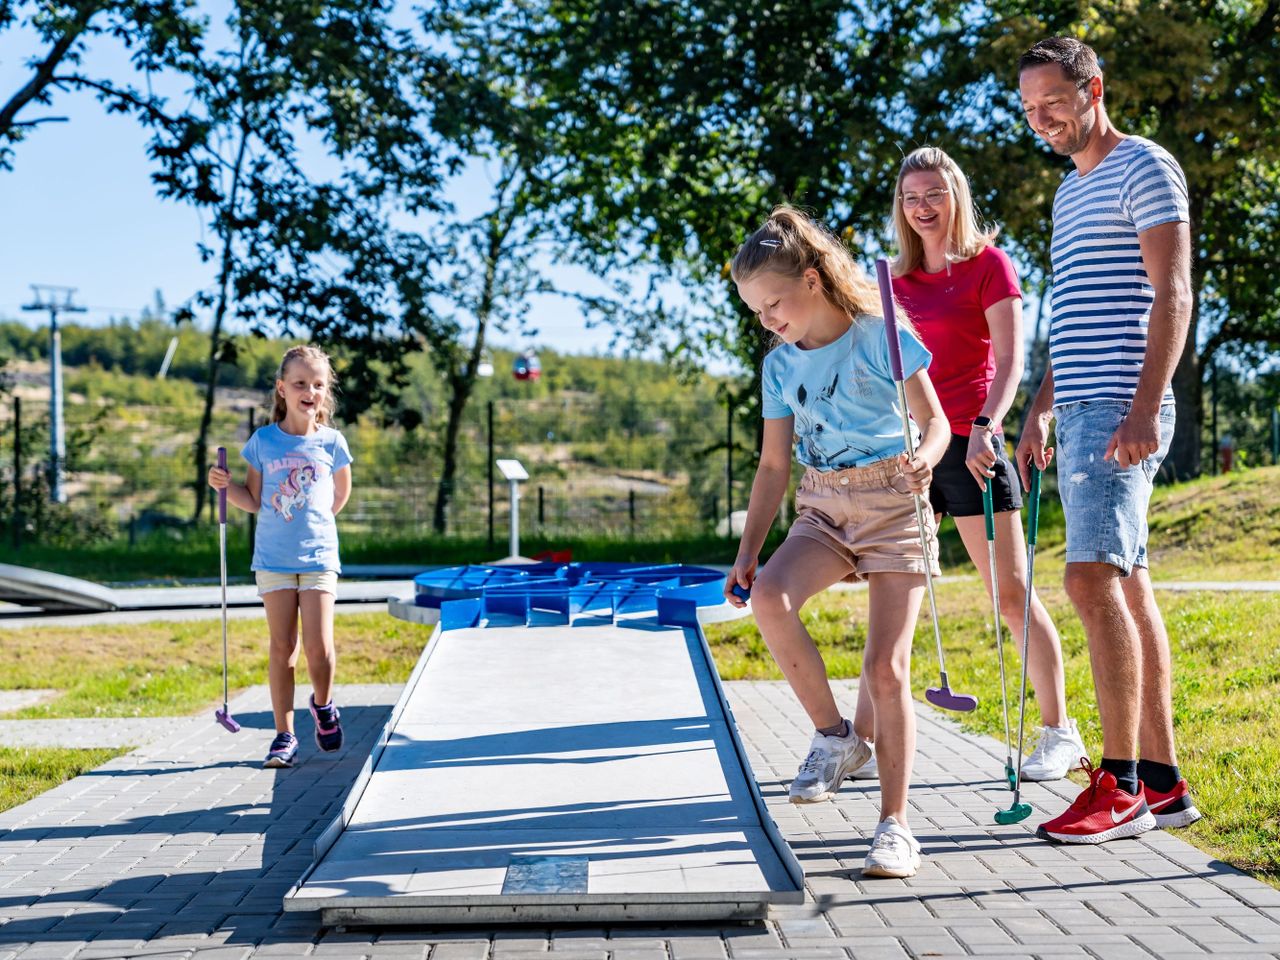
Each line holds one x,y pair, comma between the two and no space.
1102,812
1172,809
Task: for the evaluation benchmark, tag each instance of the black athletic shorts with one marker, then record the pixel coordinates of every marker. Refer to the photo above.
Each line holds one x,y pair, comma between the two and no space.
955,492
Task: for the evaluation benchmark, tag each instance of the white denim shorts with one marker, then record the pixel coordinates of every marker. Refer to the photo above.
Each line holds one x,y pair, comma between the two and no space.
325,581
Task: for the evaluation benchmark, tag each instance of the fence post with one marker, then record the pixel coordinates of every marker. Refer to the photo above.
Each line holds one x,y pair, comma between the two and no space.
631,509
1213,452
541,512
17,473
491,455
1275,435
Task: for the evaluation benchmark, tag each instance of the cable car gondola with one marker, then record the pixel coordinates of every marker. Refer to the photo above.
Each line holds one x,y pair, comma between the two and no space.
526,366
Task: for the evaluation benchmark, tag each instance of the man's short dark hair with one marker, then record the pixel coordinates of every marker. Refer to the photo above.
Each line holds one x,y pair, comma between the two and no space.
1077,60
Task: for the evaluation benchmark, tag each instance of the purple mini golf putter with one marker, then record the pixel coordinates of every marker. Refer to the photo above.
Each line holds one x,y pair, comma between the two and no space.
223,716
940,696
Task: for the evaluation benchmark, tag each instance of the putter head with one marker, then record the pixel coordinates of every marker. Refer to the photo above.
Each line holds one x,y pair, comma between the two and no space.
225,718
943,698
1015,814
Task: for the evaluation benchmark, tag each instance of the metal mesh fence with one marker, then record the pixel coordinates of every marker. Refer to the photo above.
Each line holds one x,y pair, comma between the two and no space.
598,467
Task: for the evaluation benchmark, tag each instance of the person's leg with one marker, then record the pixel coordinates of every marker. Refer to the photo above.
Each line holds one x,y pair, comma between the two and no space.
798,569
317,641
1155,713
282,626
886,673
1096,592
1044,665
864,715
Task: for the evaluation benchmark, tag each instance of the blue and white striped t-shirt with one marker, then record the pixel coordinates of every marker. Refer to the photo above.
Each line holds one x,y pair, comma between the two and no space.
1101,295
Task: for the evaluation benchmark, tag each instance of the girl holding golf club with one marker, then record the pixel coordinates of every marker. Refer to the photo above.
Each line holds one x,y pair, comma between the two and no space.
299,479
964,297
829,384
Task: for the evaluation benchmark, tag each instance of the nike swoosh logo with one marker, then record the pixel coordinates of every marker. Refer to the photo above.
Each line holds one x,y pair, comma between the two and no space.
1117,817
1163,803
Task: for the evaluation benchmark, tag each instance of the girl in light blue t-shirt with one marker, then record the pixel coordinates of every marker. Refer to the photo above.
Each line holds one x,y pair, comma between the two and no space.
829,391
298,481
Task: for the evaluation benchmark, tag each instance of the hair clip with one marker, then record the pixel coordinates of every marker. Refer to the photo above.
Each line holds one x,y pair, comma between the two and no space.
770,243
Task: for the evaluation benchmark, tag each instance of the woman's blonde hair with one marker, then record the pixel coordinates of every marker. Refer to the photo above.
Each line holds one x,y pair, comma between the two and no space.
312,355
968,234
789,243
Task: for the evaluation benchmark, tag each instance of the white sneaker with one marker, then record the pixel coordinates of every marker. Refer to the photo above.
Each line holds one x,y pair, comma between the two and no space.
869,770
894,852
1059,750
830,760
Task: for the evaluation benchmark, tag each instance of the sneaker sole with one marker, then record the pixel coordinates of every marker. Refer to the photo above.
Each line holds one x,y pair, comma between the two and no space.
1130,829
275,763
891,873
841,777
1183,818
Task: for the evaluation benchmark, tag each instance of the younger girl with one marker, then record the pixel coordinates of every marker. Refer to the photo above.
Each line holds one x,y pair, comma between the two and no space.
829,384
299,480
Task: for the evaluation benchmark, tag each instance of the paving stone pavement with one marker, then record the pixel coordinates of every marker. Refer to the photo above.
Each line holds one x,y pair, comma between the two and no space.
185,847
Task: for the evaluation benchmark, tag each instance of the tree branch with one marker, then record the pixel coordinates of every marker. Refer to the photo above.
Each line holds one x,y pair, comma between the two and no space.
43,78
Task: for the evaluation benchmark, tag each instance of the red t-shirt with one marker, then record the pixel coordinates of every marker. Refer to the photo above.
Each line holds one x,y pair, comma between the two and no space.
949,311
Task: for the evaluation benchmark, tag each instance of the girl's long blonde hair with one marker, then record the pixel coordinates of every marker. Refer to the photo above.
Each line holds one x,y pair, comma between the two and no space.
968,234
790,242
311,354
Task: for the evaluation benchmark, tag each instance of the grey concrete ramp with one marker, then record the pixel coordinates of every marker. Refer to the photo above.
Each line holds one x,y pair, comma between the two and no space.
585,772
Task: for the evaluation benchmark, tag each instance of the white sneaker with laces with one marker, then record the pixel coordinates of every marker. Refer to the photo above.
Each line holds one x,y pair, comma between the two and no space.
830,760
1059,751
894,852
869,770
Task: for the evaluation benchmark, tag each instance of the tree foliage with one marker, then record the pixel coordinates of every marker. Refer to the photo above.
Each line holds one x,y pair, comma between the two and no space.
1199,78
679,125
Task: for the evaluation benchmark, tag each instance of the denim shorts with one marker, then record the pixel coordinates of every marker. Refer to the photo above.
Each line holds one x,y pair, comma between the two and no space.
1105,505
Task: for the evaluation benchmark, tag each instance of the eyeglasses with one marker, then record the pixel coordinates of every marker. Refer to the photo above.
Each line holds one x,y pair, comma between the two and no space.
932,197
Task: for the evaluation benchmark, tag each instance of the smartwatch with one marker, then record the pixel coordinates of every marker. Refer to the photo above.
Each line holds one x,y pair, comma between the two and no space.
983,422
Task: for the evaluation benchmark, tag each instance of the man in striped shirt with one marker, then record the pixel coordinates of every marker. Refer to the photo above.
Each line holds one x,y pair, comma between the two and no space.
1120,311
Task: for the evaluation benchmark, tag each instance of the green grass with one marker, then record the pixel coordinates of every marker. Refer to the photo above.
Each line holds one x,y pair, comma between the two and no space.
168,669
1226,663
27,772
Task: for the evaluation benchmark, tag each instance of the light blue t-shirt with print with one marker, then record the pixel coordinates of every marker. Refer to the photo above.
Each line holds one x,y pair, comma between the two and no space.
842,395
297,531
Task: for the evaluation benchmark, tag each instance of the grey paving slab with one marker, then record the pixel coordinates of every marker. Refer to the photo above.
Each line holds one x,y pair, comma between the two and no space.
184,847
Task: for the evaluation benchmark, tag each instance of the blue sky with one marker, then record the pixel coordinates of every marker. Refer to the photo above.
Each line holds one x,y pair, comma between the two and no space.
79,210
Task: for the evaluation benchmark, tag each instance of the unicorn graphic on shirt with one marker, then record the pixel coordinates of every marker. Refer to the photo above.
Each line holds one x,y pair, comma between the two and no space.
294,491
816,425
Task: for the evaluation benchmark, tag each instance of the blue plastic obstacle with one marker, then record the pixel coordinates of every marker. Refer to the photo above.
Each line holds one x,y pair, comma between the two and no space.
467,595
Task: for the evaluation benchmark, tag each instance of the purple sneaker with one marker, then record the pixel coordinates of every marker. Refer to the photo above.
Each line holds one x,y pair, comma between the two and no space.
328,726
283,749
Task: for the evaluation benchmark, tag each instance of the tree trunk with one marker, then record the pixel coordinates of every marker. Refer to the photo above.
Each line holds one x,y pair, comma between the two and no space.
462,381
219,314
1183,461
460,393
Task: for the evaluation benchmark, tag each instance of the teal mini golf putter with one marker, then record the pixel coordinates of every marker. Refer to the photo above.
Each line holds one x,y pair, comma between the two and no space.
1009,773
1019,811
